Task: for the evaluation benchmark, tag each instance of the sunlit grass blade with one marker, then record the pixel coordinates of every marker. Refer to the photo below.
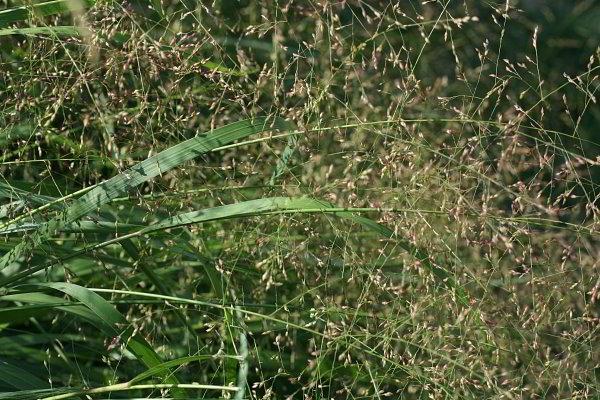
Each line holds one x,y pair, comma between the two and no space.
140,173
44,31
267,206
39,305
291,205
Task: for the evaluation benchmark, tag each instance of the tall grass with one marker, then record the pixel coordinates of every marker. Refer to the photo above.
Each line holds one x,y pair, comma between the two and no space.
280,200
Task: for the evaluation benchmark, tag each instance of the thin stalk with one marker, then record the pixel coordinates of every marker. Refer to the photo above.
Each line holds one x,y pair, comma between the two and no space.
119,387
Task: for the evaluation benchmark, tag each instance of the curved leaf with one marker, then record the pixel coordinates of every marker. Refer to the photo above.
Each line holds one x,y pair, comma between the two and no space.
270,206
113,323
138,174
44,30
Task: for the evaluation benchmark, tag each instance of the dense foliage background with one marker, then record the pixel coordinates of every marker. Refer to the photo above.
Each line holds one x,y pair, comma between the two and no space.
299,199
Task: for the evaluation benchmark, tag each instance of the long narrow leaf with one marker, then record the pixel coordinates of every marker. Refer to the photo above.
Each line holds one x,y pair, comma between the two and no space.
309,205
140,173
115,324
270,206
44,31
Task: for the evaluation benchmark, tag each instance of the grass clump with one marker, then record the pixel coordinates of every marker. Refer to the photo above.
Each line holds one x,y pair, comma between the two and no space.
320,200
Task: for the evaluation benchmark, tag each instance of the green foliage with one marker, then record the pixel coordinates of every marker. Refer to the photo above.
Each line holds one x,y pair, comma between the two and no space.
320,200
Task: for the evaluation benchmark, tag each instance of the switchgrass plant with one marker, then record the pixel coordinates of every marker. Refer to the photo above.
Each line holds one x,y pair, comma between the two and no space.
285,200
